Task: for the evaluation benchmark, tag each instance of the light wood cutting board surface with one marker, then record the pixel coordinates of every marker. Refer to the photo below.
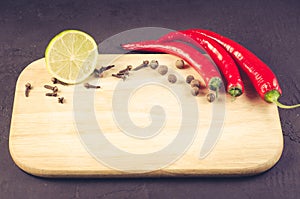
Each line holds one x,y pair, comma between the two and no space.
48,139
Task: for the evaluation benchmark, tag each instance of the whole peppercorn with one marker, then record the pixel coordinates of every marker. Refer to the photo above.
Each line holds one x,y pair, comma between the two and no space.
153,64
162,69
195,91
195,83
189,78
172,78
179,64
210,97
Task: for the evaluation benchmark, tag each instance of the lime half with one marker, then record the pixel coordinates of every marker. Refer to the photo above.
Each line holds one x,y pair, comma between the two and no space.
71,56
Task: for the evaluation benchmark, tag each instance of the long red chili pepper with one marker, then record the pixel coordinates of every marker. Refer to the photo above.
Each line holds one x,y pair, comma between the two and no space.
261,76
193,57
223,60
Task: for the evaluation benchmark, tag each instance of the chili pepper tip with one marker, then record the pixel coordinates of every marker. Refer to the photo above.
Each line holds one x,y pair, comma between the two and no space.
273,96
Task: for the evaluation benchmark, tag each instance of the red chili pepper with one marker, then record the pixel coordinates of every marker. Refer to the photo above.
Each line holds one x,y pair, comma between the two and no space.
193,57
223,60
261,76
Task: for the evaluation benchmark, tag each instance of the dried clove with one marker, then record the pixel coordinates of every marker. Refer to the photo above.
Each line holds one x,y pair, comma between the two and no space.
119,76
61,100
28,88
51,94
87,85
56,81
126,70
126,73
53,88
98,72
143,65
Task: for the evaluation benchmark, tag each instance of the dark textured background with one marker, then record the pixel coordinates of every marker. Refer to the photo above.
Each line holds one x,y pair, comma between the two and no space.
269,28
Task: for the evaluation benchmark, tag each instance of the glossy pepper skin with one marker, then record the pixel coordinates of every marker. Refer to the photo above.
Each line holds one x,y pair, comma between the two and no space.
261,76
192,56
235,85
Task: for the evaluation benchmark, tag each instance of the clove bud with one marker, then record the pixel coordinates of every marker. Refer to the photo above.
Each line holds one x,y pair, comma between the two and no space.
51,94
87,85
28,88
56,81
121,76
143,65
53,88
61,100
99,72
126,70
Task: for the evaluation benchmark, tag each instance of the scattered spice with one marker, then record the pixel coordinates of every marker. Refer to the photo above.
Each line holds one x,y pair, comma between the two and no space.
53,88
99,72
143,65
154,64
179,64
61,100
195,83
162,69
51,94
123,74
87,85
56,81
119,76
210,97
189,78
195,91
172,78
125,71
28,88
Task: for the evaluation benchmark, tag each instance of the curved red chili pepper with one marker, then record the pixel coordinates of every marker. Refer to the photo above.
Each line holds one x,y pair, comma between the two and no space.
223,60
193,57
261,76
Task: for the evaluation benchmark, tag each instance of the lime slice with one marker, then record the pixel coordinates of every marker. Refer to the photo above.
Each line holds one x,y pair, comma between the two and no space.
71,56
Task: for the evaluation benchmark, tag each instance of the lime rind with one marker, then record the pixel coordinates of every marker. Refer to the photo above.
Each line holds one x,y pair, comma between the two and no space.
71,56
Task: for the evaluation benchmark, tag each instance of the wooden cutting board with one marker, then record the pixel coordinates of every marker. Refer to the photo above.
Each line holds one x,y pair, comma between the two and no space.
230,137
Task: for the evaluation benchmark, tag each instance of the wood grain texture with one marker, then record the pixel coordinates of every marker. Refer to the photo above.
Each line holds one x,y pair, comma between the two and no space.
44,139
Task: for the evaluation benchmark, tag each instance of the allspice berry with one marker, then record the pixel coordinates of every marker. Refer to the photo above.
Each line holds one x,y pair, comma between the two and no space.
189,78
179,64
153,64
195,91
210,97
172,78
162,69
195,83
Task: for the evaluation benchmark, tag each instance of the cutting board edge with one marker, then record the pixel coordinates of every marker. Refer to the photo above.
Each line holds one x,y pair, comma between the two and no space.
49,173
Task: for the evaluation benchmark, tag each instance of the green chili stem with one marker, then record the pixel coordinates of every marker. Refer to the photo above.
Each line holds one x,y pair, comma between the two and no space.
285,106
273,96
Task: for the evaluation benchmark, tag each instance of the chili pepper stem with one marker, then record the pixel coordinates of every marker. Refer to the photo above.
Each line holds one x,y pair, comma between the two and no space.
215,84
273,96
235,92
233,98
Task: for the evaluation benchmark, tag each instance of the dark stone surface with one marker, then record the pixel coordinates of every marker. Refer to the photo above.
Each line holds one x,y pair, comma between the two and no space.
269,28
